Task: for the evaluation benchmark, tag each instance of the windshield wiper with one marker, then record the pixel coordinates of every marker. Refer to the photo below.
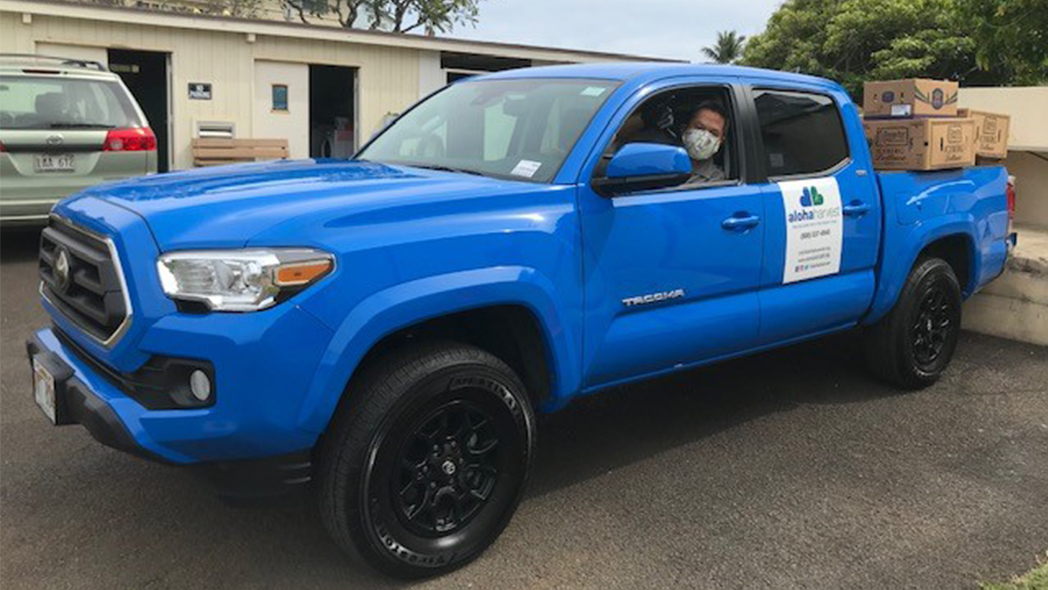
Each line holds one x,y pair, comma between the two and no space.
80,126
447,169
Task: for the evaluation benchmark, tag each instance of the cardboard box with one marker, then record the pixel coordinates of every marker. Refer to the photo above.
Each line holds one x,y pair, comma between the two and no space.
991,133
913,97
921,144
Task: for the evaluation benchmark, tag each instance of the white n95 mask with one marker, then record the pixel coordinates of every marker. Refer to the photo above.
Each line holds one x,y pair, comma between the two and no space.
701,144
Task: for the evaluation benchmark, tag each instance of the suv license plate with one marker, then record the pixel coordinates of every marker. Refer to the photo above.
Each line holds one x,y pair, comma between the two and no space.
55,162
44,389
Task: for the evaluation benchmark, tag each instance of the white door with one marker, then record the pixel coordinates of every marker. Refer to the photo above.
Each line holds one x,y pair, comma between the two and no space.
281,105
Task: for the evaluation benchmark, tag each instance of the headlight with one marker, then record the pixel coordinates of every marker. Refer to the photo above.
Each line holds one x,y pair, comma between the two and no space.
241,280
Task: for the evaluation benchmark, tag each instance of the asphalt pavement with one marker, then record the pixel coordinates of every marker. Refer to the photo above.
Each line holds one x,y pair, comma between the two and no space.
792,469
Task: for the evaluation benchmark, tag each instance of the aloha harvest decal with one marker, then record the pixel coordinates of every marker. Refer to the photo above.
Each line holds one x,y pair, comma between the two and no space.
814,228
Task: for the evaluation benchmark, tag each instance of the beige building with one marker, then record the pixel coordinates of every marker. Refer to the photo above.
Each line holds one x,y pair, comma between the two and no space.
1027,144
326,89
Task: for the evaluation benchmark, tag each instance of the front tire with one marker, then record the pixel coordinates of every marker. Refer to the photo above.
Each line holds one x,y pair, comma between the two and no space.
914,343
426,463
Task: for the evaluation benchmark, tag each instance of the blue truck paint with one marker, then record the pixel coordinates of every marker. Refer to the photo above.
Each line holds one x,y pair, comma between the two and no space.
414,244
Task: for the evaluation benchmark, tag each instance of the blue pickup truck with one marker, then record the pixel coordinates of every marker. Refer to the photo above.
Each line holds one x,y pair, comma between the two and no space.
386,327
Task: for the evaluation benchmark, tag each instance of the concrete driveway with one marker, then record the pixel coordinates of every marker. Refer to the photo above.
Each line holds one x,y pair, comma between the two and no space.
788,470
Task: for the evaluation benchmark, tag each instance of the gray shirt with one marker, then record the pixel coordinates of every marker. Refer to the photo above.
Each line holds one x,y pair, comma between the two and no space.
705,171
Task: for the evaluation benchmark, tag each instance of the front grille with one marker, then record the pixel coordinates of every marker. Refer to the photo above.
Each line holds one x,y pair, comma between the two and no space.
81,279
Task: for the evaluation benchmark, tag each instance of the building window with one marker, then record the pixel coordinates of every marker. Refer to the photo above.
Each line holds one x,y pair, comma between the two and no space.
280,97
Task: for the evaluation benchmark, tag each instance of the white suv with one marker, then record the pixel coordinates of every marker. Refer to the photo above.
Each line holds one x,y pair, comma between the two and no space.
65,124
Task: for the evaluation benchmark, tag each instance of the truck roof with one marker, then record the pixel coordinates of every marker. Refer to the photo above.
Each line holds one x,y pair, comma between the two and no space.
646,71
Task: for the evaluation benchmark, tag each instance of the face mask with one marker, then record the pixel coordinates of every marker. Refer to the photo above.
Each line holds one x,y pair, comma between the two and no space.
701,144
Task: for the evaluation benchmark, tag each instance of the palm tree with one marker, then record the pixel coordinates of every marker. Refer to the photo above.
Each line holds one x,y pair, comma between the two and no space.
727,49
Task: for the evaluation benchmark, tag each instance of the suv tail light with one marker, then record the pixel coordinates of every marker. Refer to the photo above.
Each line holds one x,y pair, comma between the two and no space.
131,139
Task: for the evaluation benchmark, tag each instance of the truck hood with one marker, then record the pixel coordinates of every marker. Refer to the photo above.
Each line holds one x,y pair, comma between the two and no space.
226,206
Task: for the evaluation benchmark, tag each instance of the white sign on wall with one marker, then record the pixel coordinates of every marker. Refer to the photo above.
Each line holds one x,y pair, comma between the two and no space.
814,228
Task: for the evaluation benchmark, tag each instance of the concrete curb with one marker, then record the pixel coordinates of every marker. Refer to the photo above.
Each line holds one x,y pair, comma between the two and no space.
1015,306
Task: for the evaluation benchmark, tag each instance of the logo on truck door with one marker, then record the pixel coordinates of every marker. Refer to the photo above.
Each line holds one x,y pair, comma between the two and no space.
814,228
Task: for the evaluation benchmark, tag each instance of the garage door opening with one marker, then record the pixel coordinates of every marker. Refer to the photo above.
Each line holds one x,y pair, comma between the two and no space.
332,112
145,75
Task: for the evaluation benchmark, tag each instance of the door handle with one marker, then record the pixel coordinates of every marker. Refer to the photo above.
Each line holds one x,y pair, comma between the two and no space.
740,222
856,209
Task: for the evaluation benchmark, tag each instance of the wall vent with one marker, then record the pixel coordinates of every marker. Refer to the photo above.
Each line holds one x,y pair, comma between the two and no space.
216,129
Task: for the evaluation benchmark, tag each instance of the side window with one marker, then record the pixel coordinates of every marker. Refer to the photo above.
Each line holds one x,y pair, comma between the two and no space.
802,132
701,120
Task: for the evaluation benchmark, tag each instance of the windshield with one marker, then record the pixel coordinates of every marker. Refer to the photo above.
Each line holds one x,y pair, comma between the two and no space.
36,102
517,129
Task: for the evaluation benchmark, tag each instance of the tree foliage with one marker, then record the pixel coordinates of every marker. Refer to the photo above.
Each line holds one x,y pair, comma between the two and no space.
400,16
240,8
855,40
1012,37
727,49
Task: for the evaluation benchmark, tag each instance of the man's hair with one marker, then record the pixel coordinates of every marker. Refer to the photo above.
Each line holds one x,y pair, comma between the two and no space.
710,105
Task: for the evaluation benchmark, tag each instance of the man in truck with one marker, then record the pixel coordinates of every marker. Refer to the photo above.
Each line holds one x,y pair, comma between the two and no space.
702,137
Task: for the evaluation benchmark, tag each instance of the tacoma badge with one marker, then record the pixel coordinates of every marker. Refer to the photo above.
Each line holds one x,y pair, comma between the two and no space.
653,297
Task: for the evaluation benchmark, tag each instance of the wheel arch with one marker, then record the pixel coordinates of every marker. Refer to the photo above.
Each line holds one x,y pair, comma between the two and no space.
958,250
953,239
469,306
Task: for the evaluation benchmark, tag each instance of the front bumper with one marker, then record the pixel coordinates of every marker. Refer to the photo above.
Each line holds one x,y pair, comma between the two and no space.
76,402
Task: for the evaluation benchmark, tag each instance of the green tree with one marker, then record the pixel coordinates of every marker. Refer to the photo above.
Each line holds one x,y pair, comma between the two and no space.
1011,36
400,16
238,8
727,49
852,41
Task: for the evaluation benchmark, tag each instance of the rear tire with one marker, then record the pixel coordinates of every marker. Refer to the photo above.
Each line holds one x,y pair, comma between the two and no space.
912,345
425,464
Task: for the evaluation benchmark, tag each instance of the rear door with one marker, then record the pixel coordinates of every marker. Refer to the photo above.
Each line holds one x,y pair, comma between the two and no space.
822,209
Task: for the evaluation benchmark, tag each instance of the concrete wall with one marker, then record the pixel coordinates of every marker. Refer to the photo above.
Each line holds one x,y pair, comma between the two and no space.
1031,186
388,77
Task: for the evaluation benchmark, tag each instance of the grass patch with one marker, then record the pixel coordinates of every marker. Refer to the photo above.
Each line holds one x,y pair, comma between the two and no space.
1036,579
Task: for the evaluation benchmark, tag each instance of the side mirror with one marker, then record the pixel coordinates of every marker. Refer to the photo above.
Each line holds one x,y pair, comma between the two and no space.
644,166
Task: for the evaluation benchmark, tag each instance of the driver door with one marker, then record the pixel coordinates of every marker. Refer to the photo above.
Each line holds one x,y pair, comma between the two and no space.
671,275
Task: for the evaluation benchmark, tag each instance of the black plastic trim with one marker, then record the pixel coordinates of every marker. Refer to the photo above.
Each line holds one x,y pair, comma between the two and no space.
256,478
75,404
630,184
159,384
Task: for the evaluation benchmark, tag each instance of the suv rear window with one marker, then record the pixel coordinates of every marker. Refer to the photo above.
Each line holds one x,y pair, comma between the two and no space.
34,102
802,132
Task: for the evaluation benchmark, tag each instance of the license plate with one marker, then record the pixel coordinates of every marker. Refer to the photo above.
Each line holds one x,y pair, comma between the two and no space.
55,162
44,390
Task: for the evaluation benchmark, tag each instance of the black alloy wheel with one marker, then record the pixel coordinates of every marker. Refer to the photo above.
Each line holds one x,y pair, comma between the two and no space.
913,344
448,469
933,326
427,460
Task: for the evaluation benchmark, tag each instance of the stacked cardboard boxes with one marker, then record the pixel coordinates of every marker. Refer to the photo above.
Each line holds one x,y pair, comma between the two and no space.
915,125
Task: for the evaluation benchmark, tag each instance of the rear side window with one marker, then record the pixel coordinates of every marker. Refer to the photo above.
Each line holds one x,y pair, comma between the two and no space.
32,102
802,132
